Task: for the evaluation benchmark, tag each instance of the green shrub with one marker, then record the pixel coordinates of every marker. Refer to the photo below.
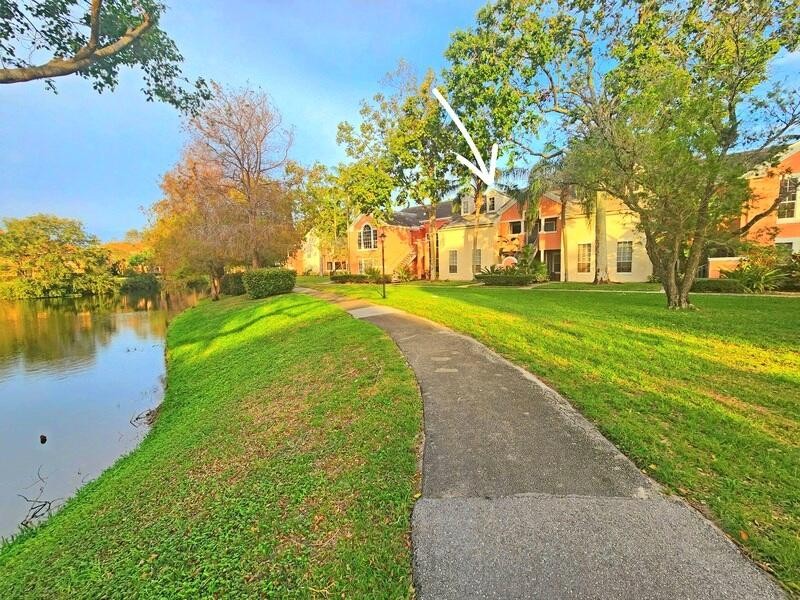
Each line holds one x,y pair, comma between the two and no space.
145,283
404,273
374,276
524,273
14,289
195,283
261,283
730,286
232,284
529,263
792,271
756,278
493,270
349,278
538,270
506,277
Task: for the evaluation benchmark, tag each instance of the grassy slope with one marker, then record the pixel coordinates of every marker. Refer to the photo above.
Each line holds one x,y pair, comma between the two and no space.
282,464
707,401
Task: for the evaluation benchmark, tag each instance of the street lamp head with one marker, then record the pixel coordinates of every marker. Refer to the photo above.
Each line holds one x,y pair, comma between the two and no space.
382,236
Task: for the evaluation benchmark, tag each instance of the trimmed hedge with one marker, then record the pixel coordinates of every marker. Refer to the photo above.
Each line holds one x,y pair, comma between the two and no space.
505,278
729,286
261,283
233,284
349,278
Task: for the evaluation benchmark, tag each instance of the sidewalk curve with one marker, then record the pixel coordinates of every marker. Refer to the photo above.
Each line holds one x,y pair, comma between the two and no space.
522,497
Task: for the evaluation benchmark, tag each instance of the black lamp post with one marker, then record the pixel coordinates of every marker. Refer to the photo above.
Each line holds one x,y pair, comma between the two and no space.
382,237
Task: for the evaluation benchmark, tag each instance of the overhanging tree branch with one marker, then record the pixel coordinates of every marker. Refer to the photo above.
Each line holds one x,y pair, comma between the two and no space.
84,57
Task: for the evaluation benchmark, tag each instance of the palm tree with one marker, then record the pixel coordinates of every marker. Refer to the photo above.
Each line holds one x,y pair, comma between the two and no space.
541,177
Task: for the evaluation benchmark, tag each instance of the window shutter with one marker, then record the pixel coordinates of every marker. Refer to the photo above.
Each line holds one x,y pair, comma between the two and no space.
374,238
360,242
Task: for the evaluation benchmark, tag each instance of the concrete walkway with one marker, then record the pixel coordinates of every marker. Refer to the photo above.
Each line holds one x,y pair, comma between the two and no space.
523,498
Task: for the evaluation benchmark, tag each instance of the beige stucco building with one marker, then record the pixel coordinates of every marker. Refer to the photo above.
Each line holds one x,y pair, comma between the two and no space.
499,231
626,256
569,250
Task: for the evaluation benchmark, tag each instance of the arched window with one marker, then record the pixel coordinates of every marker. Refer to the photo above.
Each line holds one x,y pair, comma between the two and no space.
367,238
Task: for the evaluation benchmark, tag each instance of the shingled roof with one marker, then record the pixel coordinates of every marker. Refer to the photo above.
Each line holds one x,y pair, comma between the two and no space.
413,216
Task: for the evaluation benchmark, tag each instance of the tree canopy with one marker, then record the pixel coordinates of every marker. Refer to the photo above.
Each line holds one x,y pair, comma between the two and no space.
47,256
203,225
242,133
649,100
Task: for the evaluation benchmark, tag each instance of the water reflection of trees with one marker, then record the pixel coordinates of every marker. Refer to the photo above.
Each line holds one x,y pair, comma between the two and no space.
66,333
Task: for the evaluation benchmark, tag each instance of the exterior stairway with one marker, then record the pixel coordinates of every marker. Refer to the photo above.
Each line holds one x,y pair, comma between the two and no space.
406,262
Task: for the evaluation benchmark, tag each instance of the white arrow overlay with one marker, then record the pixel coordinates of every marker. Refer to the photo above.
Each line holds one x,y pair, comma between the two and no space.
487,176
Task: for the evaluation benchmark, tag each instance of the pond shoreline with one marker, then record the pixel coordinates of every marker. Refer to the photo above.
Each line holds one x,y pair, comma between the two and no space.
81,380
252,482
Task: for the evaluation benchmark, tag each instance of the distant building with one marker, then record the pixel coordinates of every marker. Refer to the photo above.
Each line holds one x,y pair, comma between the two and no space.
499,229
409,243
314,257
781,227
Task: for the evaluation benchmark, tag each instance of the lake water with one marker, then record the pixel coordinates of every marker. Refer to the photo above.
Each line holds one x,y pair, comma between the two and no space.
78,371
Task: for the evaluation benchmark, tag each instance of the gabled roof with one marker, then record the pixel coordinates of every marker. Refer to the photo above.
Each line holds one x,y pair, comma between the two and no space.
484,218
416,215
764,158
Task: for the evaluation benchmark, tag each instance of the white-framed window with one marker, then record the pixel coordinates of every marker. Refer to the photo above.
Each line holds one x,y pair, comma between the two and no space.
550,224
584,258
787,206
367,238
624,257
515,227
491,204
467,206
452,264
476,260
792,245
364,265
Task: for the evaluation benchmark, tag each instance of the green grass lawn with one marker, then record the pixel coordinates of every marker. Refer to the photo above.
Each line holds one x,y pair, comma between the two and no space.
282,464
610,287
312,279
706,401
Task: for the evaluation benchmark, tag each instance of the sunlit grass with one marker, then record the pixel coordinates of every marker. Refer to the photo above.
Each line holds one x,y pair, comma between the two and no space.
706,401
282,464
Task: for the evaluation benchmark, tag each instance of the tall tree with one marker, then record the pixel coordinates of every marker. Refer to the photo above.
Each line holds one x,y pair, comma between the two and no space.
482,107
661,93
44,256
195,226
543,176
324,206
93,39
420,149
369,178
368,186
243,132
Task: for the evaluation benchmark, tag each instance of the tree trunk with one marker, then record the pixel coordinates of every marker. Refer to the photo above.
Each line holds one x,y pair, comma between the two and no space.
216,284
600,240
478,200
564,248
676,297
434,246
695,255
256,260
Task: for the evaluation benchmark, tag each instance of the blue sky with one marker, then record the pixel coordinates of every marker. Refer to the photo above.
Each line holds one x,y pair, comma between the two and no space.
99,157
